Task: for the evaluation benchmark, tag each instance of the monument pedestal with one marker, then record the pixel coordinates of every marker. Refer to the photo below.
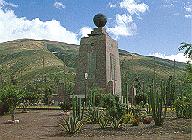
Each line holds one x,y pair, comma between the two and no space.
99,58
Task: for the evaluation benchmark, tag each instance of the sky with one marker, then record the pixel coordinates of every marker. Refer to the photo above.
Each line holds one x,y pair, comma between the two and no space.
146,27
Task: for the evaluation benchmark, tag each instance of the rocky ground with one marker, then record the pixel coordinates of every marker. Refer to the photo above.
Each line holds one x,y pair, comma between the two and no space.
43,124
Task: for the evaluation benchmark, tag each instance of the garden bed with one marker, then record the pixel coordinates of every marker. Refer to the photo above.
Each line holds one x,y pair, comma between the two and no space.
43,124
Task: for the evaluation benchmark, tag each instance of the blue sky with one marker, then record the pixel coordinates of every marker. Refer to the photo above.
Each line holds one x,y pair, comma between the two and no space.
147,27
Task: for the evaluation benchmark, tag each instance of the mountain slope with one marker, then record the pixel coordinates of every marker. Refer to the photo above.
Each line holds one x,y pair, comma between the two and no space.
28,60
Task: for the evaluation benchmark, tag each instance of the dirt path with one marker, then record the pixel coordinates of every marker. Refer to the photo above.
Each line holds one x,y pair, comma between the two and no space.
42,124
33,125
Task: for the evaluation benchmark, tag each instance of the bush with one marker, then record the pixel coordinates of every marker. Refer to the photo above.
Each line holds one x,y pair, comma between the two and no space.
103,120
183,107
127,118
114,109
92,115
28,98
135,121
10,96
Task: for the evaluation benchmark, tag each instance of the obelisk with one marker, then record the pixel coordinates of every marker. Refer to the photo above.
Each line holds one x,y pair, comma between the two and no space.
98,63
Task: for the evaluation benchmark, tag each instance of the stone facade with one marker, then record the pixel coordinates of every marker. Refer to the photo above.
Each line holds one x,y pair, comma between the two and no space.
99,58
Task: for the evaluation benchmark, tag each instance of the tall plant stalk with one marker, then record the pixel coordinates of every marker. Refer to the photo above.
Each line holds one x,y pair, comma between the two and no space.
157,98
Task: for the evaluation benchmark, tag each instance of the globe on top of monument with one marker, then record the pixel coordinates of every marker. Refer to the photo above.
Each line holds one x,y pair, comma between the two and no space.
100,20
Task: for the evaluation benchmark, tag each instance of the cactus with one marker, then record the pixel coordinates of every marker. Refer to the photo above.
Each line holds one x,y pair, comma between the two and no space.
77,108
93,111
74,123
156,101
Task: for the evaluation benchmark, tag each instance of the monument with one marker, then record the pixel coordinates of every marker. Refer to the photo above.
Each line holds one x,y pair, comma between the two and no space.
98,63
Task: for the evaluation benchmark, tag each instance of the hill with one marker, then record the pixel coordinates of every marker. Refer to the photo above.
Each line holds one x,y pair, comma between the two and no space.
27,60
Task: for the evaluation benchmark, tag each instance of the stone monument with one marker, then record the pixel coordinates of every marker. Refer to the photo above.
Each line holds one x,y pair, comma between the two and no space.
98,63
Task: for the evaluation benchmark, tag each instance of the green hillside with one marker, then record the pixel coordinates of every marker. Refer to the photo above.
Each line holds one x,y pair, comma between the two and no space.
29,60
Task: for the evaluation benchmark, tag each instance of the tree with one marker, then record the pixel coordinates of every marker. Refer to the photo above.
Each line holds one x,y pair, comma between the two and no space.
28,98
11,96
188,52
188,49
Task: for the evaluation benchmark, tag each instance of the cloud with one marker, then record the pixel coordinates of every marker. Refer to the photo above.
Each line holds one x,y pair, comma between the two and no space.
178,57
13,27
133,7
85,31
188,16
169,3
112,5
124,26
4,3
59,5
188,10
124,23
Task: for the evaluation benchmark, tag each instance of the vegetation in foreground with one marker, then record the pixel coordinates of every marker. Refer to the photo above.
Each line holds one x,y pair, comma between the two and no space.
106,110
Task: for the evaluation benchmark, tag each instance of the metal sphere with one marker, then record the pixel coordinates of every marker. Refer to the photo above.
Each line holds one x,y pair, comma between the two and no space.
100,20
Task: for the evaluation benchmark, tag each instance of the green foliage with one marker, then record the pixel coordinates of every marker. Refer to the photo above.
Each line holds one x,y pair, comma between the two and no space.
141,98
188,73
95,96
25,57
157,97
170,91
127,118
93,115
10,96
71,125
103,120
135,121
28,98
188,49
75,122
114,109
183,106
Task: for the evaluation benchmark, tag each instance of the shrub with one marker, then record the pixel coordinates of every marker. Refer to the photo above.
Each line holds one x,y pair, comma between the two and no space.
114,109
95,96
10,96
183,107
135,121
127,118
92,115
28,98
103,120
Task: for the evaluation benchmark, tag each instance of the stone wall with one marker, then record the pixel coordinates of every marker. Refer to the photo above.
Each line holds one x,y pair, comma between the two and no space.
96,54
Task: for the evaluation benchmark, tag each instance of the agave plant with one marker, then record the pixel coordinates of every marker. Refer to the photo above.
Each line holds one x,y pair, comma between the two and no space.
103,119
92,115
71,125
75,122
103,122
